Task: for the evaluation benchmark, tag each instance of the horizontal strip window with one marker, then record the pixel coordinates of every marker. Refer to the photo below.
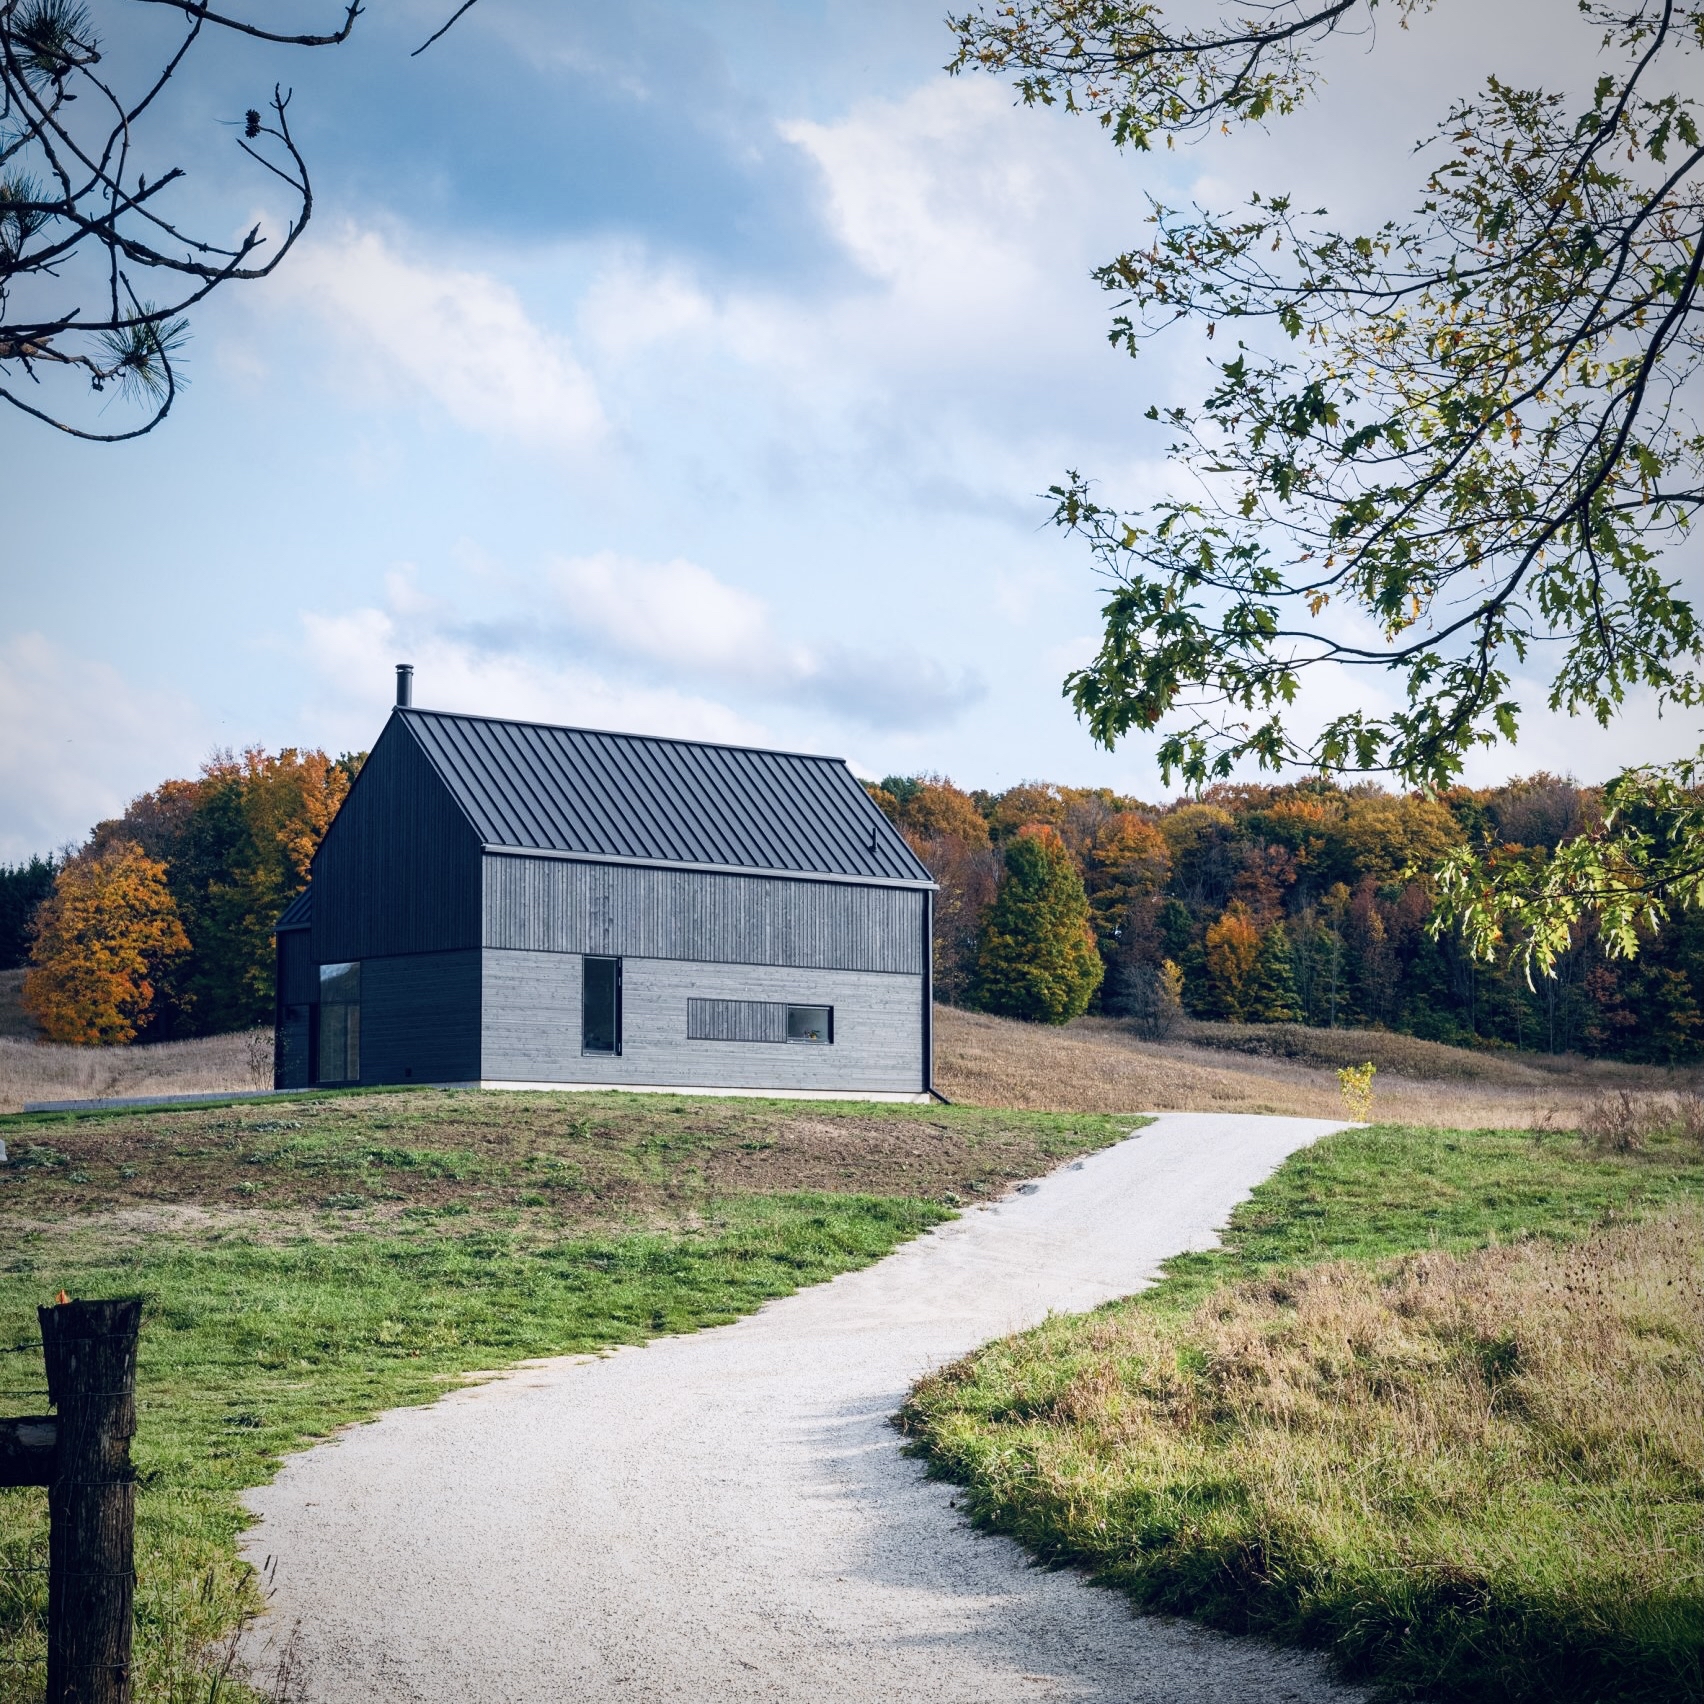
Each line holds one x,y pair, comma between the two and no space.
759,1020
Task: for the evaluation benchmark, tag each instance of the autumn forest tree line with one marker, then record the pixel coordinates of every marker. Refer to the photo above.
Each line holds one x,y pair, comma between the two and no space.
159,926
1300,903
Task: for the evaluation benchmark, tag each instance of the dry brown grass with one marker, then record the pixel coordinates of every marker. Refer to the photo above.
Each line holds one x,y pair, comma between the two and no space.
1479,1472
1093,1065
1097,1065
43,1071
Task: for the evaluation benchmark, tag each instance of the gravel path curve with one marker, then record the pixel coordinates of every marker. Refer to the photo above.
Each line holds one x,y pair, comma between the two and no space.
727,1516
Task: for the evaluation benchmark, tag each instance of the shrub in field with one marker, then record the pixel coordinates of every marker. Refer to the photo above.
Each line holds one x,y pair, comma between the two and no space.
1622,1122
1355,1084
1151,996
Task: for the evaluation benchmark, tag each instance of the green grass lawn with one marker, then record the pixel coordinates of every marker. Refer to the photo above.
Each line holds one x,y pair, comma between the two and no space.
309,1263
1436,1407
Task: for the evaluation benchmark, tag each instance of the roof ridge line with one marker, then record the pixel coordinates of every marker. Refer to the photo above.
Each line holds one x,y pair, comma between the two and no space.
406,710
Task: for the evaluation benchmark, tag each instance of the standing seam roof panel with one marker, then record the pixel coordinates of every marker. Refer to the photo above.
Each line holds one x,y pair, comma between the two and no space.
537,787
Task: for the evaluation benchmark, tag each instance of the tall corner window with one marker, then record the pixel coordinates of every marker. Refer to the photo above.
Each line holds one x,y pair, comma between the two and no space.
600,1006
813,1024
339,1058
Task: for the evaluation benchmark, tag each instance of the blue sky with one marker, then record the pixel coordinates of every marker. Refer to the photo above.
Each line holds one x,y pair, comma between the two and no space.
691,368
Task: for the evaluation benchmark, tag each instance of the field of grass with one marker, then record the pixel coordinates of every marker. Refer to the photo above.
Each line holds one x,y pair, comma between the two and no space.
1099,1065
310,1262
1437,1407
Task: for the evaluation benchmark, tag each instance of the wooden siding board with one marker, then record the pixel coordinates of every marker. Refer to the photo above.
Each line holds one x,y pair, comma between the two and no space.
736,1020
531,1026
399,869
552,905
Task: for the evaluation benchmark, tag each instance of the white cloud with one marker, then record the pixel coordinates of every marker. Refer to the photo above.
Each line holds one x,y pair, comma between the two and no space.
962,337
678,617
674,613
461,338
81,742
354,654
611,641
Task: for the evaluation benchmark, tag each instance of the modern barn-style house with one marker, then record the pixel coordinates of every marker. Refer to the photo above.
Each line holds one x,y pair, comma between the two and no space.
522,906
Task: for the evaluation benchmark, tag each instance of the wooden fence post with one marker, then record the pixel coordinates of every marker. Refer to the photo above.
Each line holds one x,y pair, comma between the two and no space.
90,1350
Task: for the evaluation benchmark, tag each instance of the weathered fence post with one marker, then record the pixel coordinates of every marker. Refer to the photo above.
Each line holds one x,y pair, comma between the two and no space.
90,1350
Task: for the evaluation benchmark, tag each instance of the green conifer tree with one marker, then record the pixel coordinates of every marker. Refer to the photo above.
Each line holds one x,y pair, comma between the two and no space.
1037,959
1271,994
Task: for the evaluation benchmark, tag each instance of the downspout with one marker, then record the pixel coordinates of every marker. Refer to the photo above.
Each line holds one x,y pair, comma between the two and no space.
929,999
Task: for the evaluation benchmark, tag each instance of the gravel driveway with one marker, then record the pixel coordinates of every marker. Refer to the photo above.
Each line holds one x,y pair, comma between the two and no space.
727,1516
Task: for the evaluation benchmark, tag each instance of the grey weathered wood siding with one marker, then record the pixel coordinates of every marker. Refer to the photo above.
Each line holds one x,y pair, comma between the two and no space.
420,1018
554,905
736,1020
398,871
531,1026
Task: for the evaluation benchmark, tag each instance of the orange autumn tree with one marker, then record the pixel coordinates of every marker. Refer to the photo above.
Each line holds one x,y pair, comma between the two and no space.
236,844
102,938
1232,950
1128,861
246,856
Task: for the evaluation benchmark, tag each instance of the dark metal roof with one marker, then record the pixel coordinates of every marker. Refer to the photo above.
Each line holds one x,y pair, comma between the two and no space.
634,798
298,914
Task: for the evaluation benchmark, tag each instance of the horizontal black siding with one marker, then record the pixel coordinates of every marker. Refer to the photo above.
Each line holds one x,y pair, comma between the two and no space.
420,1018
553,905
398,871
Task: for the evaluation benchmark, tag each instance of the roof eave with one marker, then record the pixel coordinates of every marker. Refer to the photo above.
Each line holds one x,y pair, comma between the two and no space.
842,879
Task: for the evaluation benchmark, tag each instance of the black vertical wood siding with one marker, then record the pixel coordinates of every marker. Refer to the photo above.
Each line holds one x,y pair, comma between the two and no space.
553,905
298,988
398,871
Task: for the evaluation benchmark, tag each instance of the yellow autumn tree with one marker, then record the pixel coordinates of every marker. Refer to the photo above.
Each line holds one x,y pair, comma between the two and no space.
102,936
1232,951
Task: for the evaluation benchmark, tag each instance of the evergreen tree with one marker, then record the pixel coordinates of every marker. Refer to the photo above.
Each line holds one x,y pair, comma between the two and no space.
1270,997
1037,958
22,889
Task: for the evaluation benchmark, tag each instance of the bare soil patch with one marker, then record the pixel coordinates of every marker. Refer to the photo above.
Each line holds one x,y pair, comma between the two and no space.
562,1160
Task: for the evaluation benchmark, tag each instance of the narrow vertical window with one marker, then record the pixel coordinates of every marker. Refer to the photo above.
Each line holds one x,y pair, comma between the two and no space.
339,1051
600,1006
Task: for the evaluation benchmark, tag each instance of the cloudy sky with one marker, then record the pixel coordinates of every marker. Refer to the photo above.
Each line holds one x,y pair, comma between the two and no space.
690,366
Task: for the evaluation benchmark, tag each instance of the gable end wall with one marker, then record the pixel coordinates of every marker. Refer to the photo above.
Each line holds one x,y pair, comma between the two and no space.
399,870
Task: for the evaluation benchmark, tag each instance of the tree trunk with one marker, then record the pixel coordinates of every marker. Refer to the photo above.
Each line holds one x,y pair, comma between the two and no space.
90,1350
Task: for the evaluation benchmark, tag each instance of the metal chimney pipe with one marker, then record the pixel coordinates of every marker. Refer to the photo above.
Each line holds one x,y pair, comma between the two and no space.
404,685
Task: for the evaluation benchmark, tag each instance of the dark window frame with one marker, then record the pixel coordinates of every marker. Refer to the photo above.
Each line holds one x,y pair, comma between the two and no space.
587,960
341,983
826,1040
